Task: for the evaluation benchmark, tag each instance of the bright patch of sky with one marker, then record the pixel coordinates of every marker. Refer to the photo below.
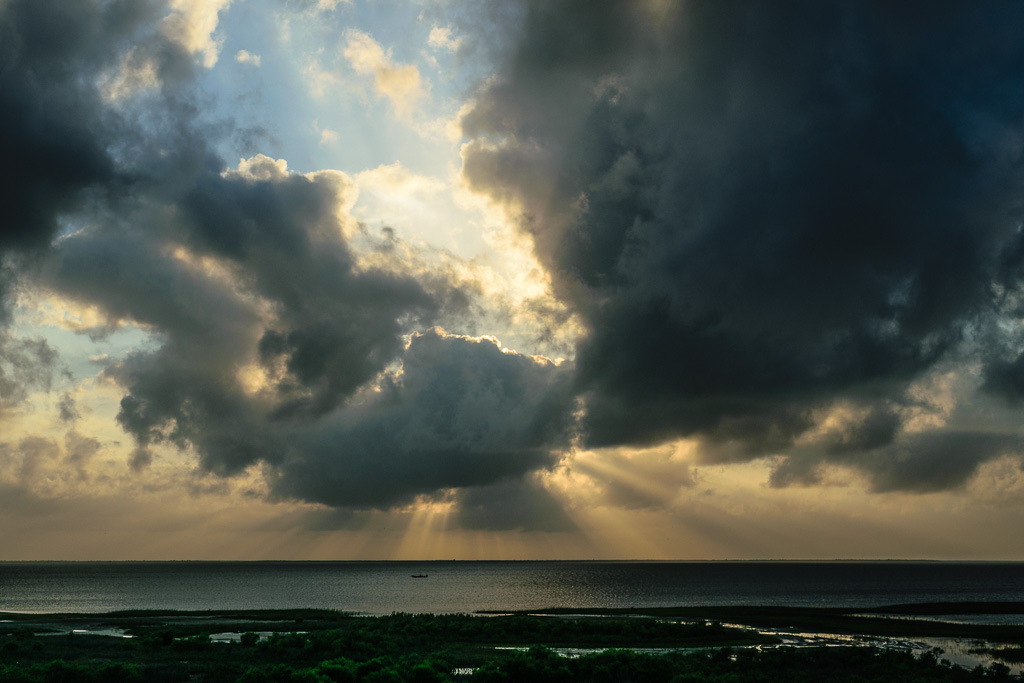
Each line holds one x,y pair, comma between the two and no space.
353,86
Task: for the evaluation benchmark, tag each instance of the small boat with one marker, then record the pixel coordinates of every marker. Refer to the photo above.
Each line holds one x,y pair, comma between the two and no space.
419,576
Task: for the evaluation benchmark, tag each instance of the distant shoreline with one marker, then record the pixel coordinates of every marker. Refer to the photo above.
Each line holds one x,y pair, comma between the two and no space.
885,620
530,561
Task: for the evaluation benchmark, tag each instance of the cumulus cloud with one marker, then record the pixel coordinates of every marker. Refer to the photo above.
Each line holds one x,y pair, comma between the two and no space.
193,25
281,346
759,211
246,57
442,38
328,136
253,274
318,79
459,412
398,83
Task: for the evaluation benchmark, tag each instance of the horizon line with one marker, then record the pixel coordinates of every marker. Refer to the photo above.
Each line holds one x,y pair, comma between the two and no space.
850,560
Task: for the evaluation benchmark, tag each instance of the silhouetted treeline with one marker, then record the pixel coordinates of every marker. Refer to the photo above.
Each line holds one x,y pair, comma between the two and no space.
540,665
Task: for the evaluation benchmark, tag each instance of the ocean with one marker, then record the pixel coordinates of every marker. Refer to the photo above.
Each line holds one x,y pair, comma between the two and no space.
449,587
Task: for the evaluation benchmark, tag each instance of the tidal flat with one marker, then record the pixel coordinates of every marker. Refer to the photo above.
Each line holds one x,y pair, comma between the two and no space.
673,645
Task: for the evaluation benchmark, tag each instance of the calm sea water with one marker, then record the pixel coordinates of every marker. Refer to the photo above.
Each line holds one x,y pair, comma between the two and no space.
385,587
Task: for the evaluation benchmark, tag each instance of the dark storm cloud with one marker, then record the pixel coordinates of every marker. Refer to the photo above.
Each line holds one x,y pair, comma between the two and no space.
252,268
179,392
919,462
1004,373
64,147
292,301
332,330
117,170
53,145
67,153
338,325
170,399
51,139
758,209
933,462
463,412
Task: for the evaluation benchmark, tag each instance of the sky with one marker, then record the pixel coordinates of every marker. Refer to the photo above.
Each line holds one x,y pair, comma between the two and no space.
511,279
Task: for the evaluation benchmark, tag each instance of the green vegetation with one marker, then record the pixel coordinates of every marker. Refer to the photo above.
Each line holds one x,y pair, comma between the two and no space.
852,665
858,621
325,647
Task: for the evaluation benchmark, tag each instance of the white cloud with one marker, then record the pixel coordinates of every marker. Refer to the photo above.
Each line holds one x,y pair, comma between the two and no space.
399,83
318,78
246,57
330,5
259,168
192,24
395,180
441,38
444,128
328,136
